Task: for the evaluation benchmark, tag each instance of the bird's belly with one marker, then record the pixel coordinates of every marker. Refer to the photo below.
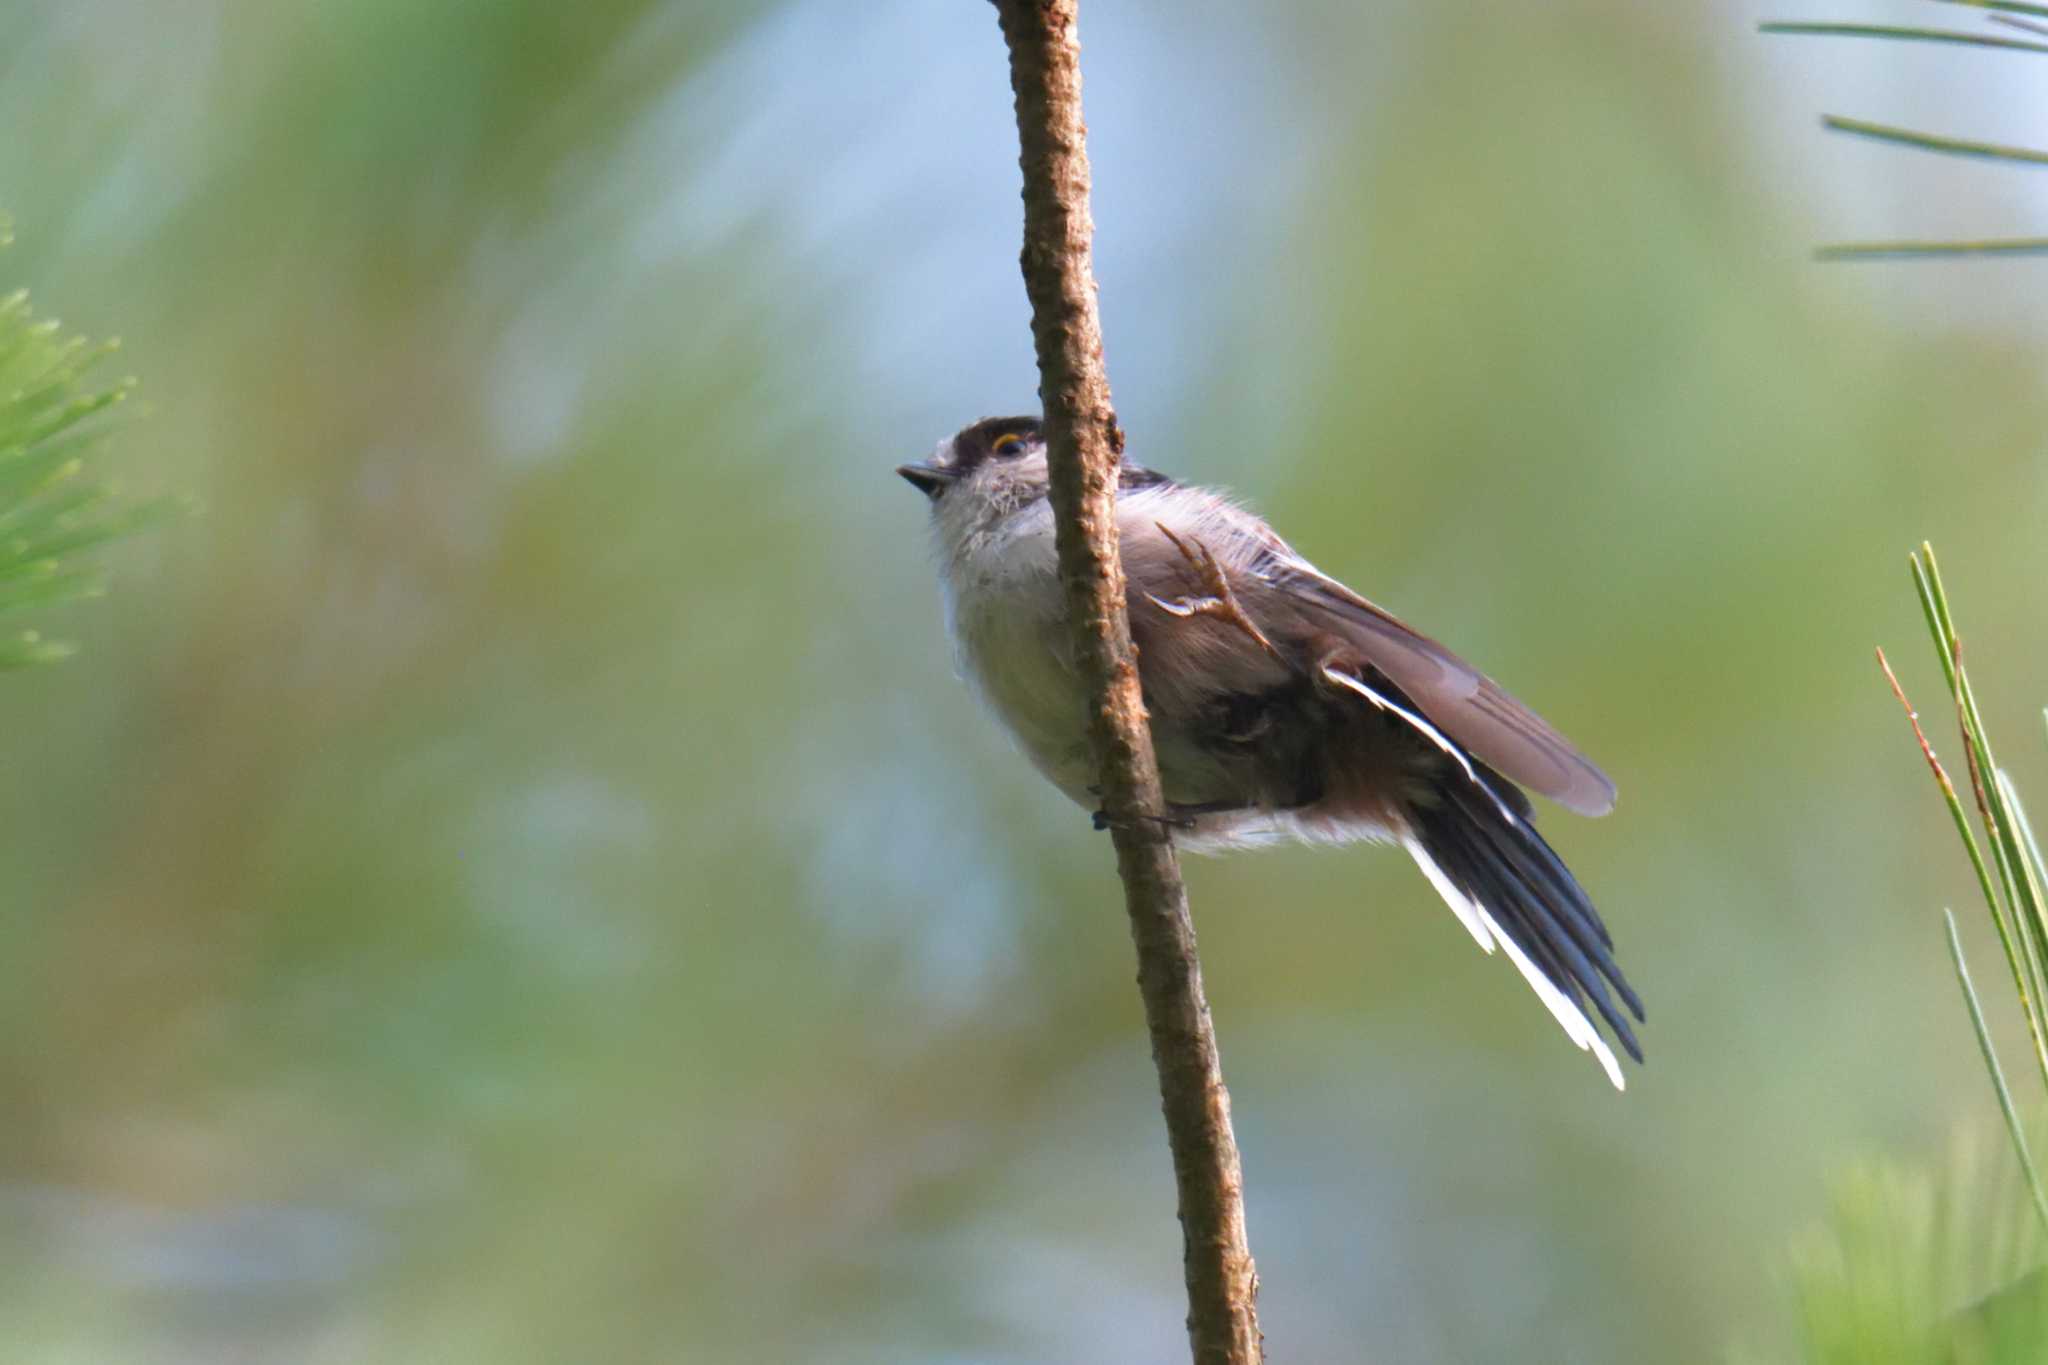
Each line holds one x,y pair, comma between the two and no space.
1021,662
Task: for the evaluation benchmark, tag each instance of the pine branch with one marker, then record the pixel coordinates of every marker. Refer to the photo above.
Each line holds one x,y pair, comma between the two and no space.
1084,445
54,507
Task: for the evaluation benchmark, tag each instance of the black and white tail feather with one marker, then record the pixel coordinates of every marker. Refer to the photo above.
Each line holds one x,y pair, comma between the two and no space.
1480,850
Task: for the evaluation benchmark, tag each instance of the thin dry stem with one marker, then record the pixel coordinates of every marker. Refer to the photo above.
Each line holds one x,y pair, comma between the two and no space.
1084,446
1926,749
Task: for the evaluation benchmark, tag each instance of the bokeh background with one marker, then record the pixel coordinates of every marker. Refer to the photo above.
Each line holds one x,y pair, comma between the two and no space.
517,879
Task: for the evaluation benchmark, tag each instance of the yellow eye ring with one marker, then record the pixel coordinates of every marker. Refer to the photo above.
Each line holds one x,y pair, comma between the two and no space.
1009,443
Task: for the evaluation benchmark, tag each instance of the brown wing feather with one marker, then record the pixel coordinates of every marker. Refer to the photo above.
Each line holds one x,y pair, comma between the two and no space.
1469,706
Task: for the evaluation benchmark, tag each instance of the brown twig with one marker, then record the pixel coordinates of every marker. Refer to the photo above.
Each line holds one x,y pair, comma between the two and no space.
1926,749
1084,445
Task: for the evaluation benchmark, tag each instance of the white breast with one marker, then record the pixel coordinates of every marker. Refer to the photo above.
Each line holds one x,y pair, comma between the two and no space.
1003,594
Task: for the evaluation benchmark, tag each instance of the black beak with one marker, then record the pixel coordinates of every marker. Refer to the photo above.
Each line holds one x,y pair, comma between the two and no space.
928,479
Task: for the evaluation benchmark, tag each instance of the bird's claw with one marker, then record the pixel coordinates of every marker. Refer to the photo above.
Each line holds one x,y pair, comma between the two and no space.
1101,820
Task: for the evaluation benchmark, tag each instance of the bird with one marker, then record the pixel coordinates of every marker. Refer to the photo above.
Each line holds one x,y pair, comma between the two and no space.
1283,705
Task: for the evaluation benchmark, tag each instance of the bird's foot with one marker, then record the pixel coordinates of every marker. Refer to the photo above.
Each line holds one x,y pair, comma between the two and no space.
1170,822
1179,816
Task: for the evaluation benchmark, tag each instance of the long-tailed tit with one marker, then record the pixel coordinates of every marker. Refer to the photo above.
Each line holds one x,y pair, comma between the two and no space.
1283,705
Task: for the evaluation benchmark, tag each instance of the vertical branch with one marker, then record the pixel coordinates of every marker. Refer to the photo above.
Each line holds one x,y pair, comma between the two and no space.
1084,446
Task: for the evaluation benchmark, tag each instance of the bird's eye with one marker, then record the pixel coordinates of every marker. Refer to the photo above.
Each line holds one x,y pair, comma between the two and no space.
1009,443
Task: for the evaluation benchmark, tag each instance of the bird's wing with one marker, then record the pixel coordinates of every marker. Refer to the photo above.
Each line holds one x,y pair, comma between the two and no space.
1466,704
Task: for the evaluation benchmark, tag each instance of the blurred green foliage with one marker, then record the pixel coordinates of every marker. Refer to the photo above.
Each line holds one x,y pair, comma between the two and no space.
519,882
1937,1266
51,512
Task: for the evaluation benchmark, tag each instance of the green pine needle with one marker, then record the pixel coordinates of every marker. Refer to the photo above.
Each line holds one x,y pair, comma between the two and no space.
2006,6
1875,251
1932,142
2014,1129
1950,146
1918,35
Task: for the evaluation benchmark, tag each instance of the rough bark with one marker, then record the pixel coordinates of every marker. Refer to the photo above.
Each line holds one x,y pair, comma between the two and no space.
1084,445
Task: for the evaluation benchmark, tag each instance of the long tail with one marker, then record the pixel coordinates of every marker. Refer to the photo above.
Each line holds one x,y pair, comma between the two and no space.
1477,846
